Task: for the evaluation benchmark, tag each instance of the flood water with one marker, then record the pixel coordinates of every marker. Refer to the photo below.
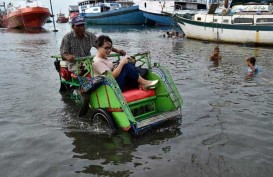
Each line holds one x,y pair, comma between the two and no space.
226,128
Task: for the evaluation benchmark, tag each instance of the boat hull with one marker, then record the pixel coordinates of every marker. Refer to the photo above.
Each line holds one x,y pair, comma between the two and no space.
32,17
62,20
230,33
124,16
160,19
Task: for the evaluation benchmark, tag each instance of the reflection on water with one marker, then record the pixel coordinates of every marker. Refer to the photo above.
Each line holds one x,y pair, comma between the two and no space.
117,150
111,151
29,31
215,63
129,28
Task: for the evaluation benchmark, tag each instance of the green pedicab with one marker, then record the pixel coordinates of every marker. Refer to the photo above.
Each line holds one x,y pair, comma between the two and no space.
132,110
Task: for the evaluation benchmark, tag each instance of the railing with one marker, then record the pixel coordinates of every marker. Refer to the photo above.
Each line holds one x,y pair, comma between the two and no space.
184,1
193,1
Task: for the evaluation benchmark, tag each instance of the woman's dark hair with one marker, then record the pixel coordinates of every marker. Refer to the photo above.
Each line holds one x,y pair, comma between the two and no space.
101,39
252,60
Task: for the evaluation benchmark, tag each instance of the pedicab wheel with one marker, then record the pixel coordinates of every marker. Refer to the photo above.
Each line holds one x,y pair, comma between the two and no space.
103,121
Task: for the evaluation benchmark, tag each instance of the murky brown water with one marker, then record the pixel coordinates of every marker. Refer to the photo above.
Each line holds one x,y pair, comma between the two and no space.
226,128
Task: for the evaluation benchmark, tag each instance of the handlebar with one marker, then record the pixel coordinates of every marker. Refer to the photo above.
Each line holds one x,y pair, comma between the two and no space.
92,56
85,58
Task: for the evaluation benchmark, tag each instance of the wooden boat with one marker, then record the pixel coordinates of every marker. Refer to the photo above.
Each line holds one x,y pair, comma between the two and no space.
25,14
244,22
161,11
61,18
133,110
103,13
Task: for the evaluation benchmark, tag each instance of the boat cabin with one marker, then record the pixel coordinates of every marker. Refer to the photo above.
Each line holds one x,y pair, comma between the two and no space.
171,7
2,9
73,8
241,12
236,19
90,6
23,4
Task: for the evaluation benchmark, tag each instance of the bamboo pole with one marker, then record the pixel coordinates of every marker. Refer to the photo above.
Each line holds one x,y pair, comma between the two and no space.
52,15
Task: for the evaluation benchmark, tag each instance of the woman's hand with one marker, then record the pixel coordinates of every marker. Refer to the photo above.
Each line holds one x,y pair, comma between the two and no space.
124,61
118,69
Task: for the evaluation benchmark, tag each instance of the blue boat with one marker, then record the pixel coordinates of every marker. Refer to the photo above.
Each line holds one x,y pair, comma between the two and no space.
160,19
111,13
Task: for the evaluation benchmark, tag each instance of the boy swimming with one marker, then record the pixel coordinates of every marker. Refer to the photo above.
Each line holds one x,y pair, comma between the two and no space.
216,54
252,69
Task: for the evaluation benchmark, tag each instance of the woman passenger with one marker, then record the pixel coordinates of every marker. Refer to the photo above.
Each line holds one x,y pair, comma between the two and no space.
125,72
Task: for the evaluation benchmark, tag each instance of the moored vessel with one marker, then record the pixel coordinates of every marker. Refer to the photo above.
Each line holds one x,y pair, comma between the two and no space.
111,13
25,14
61,18
243,22
161,11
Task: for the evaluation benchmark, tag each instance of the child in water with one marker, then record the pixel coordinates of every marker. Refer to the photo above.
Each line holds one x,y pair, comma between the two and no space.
216,54
252,69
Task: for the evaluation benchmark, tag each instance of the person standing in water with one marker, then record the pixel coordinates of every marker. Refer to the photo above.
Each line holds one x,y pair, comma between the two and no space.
216,54
252,68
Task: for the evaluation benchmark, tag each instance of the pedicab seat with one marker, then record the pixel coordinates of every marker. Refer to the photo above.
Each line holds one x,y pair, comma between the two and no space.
137,94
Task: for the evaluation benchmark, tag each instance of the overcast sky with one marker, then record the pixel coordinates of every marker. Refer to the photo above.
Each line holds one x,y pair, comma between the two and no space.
56,4
59,5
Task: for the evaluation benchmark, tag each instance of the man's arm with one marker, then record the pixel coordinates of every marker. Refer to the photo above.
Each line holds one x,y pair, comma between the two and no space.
64,49
122,52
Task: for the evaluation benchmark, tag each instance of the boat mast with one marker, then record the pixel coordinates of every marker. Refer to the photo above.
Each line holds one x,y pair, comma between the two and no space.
52,15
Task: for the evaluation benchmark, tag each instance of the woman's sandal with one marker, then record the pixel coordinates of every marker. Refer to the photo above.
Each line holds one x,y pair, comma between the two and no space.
144,87
149,86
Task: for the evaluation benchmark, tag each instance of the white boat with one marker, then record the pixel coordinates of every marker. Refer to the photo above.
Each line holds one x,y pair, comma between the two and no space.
244,22
161,11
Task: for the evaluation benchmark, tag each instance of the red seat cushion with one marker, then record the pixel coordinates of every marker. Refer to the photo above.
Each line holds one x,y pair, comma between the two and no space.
65,74
137,94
